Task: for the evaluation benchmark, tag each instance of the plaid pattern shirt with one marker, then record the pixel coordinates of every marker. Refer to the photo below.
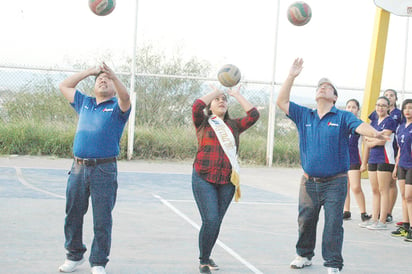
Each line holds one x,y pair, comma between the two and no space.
211,162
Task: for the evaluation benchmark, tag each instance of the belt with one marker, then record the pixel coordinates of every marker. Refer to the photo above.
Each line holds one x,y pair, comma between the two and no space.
93,161
324,179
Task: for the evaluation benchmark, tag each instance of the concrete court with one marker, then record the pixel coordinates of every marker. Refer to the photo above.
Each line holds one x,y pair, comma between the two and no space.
156,223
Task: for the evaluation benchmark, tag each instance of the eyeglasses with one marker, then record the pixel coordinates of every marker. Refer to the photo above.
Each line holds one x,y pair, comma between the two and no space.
381,106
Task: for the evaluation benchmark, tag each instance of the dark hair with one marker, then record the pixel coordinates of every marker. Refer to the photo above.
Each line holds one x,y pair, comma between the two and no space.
226,119
386,99
97,76
404,103
355,101
394,92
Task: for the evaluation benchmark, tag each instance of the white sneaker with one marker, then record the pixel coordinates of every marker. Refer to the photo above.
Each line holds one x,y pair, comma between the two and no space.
300,262
377,226
367,223
98,270
70,266
332,270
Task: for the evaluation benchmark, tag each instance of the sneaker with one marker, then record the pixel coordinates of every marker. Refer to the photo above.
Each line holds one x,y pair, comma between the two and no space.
300,262
377,226
332,270
367,223
346,215
212,265
365,217
389,219
204,269
400,232
98,270
399,224
70,266
408,237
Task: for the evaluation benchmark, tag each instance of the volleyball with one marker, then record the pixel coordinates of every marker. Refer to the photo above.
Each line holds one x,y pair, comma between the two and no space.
299,13
229,75
102,7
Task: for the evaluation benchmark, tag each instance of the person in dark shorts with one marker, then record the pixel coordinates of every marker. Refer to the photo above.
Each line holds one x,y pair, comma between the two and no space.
396,115
354,174
403,170
380,156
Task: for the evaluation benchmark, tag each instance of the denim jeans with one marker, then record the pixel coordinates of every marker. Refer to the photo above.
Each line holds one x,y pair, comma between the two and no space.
312,196
100,183
212,200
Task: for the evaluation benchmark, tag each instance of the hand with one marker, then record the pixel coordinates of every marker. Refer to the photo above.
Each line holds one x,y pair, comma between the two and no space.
381,136
395,173
94,70
106,69
363,168
235,91
216,90
296,68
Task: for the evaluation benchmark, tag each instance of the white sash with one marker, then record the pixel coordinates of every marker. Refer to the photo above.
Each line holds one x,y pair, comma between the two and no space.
227,142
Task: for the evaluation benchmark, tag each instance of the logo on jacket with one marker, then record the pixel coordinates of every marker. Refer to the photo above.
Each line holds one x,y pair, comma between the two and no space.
330,124
107,109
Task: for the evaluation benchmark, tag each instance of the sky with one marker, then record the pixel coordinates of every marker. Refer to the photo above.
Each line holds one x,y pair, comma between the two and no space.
336,42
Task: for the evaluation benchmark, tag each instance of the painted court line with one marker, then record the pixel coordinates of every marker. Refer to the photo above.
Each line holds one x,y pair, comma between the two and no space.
27,184
240,203
220,243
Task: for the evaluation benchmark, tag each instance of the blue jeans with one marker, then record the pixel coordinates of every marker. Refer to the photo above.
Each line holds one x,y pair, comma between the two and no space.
312,196
100,183
212,200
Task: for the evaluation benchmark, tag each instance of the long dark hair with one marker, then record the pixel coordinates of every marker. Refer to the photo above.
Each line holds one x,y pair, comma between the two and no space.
395,93
404,103
226,119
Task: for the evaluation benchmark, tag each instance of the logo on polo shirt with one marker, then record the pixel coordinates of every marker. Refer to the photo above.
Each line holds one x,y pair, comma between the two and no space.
332,124
107,109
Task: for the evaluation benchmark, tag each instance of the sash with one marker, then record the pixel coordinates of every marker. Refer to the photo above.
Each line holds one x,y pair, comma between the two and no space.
227,142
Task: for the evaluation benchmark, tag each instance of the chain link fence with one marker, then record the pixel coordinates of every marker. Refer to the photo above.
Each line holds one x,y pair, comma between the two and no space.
37,119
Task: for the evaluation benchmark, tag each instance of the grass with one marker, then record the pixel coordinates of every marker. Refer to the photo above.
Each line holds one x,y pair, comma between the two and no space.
53,139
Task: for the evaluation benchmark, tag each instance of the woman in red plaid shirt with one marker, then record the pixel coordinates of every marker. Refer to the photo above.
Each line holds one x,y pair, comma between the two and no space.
212,168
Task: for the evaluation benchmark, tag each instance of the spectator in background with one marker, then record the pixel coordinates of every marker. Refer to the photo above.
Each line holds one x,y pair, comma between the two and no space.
354,174
380,158
403,170
396,115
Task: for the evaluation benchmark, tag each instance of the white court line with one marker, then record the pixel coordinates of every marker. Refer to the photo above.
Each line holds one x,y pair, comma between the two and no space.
221,244
241,203
25,183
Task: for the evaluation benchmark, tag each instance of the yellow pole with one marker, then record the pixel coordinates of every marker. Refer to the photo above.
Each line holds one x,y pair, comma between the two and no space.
375,67
376,60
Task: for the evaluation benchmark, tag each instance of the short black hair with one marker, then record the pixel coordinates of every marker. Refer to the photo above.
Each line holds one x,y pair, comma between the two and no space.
95,79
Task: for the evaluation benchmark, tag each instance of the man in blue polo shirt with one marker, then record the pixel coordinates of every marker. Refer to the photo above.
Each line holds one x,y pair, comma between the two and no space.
94,171
324,153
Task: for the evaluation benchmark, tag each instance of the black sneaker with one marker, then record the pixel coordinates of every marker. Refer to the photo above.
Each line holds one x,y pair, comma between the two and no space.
408,237
346,215
365,217
389,219
212,265
204,269
400,232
